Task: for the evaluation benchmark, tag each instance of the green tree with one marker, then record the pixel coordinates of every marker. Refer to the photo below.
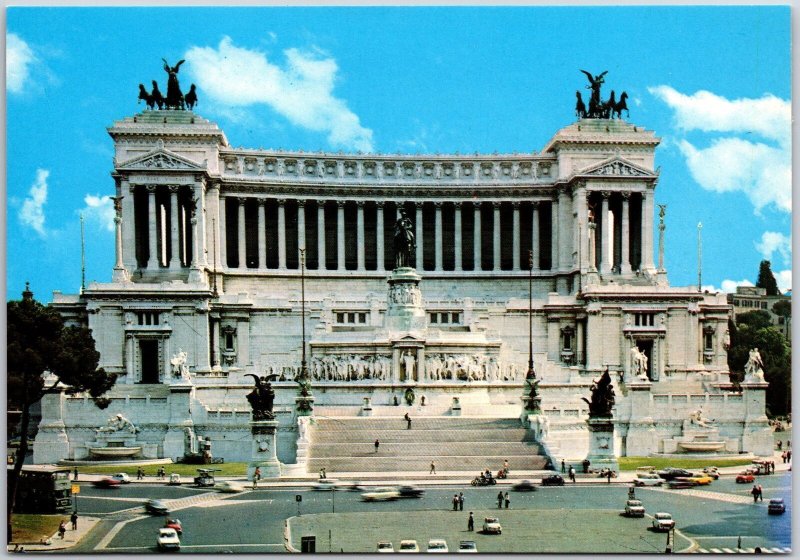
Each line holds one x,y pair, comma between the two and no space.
782,308
38,343
766,279
753,330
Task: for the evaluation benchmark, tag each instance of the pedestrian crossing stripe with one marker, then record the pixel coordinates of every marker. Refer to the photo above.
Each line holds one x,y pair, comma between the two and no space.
751,550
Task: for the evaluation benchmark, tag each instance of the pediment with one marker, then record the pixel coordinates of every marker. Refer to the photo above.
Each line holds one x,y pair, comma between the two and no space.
616,167
160,159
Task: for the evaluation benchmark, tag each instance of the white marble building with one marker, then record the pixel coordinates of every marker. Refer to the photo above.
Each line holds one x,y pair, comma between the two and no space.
208,262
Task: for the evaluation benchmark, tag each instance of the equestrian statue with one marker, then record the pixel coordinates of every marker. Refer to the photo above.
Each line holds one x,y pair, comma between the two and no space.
599,109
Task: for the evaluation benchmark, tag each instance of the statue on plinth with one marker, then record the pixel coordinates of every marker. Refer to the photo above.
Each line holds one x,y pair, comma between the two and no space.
179,367
697,419
262,397
638,363
404,242
602,400
754,368
118,423
174,94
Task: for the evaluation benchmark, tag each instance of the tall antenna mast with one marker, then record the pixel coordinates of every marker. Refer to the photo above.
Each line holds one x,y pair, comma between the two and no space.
83,257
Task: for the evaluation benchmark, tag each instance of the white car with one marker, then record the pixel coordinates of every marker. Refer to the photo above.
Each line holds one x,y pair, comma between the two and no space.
438,546
385,546
648,479
381,495
634,508
663,522
122,478
409,546
468,547
492,525
168,539
326,484
229,487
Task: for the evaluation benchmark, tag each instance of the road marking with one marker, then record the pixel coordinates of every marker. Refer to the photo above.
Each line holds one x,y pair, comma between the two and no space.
187,546
751,550
219,502
721,496
139,500
106,540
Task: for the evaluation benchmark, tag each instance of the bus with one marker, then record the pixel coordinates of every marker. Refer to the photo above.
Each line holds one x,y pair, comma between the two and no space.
43,489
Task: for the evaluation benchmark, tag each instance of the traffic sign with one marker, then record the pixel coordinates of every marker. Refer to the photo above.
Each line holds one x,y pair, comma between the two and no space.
76,488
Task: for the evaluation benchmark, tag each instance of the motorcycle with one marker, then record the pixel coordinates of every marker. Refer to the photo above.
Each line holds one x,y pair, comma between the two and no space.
502,473
604,473
478,481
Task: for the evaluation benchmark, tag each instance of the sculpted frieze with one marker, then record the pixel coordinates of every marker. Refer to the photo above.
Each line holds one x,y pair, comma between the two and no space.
159,160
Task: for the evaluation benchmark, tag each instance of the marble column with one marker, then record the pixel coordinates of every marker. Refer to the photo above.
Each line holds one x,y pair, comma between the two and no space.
301,227
554,235
152,232
476,242
175,243
580,221
282,233
242,235
119,274
457,237
222,233
262,233
129,232
129,359
360,253
535,234
515,236
564,235
418,232
496,236
647,230
321,235
340,235
215,361
381,265
605,237
439,253
625,265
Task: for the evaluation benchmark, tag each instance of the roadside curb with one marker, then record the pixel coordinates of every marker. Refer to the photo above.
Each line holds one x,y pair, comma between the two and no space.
86,524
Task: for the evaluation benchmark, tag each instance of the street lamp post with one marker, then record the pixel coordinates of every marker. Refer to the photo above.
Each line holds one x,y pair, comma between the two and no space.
532,398
305,399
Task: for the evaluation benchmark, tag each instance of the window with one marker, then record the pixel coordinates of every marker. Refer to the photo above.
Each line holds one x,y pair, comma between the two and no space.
444,318
147,317
351,317
644,319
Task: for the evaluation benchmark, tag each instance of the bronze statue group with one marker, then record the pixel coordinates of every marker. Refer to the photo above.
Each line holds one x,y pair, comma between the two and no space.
175,98
599,109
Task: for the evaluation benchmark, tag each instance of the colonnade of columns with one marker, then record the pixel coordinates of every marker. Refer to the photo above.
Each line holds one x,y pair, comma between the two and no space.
169,229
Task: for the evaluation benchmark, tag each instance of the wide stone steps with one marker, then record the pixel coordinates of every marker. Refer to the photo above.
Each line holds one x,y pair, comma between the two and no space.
465,444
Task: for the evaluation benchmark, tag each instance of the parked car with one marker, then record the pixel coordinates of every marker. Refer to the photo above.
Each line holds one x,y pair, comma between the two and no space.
553,480
663,522
122,478
409,546
524,486
648,479
634,508
701,479
175,523
468,547
491,525
384,546
437,546
205,478
776,506
326,484
156,506
713,472
230,487
174,479
681,482
411,492
671,472
745,477
384,494
168,539
106,482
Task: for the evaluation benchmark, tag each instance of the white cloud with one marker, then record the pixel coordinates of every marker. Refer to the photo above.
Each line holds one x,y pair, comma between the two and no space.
301,90
729,286
32,211
772,241
784,279
761,169
19,58
100,210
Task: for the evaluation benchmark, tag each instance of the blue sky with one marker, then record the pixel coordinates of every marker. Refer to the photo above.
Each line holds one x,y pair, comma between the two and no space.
712,82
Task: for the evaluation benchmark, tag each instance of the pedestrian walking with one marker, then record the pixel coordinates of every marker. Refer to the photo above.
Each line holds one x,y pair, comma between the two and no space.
754,492
470,522
255,481
507,499
455,502
788,454
377,445
632,493
500,499
139,473
563,466
572,474
461,501
505,467
75,474
780,445
62,528
760,493
408,420
608,476
74,520
433,468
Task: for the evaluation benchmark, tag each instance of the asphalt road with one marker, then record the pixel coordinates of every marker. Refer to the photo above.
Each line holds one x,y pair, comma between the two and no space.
254,521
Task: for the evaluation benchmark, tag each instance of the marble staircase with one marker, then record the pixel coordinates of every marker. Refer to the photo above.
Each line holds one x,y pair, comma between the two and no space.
466,444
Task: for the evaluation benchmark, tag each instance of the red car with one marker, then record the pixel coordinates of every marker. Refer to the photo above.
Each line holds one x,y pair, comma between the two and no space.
106,483
745,478
174,524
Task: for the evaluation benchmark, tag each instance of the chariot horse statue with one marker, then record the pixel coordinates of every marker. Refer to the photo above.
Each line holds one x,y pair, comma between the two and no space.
174,95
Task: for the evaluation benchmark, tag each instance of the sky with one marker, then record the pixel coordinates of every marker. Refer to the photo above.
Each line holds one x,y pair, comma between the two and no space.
714,84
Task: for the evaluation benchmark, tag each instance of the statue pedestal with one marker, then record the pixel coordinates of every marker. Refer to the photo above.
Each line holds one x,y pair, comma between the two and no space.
264,450
304,405
601,443
404,311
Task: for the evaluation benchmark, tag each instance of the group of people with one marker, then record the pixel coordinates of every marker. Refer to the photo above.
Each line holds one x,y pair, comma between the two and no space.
757,492
458,502
786,456
502,498
62,527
